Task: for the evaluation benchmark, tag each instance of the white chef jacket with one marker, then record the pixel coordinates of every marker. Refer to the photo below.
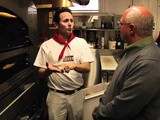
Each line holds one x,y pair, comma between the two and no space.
78,52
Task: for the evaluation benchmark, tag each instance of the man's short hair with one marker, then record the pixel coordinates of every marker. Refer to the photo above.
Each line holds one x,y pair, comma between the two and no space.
58,12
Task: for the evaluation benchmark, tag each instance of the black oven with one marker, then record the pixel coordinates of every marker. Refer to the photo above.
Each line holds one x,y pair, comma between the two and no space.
19,86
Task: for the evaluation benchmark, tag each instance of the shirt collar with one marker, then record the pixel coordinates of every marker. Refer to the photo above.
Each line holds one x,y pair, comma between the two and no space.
141,43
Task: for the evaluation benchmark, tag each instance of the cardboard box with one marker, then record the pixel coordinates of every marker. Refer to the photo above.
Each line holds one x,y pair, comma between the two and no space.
92,95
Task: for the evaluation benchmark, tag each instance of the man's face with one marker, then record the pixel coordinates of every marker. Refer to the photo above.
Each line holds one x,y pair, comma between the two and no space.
66,24
124,30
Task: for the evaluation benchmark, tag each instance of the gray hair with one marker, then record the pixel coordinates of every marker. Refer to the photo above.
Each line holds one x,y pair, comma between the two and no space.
144,23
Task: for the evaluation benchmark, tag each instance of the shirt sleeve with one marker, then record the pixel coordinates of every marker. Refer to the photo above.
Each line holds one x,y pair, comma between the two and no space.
41,59
86,53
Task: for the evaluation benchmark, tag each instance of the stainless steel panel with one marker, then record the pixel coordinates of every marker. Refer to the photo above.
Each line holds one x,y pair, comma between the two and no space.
19,96
94,76
17,105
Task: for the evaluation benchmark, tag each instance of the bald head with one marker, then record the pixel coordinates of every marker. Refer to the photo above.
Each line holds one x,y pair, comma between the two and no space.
138,9
141,18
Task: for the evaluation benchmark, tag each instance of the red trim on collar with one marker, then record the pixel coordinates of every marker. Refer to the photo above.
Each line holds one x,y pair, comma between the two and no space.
60,40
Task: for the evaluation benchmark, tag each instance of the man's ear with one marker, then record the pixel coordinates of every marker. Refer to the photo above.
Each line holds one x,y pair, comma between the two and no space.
55,25
132,29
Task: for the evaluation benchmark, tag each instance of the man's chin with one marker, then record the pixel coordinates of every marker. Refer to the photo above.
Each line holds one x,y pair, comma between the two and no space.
69,32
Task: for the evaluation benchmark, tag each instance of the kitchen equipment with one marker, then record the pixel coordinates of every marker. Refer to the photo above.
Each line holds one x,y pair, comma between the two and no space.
78,24
61,3
108,65
97,23
19,86
112,44
91,36
89,24
92,96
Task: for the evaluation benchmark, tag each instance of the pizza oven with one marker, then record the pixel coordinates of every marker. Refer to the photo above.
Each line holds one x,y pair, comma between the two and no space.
19,87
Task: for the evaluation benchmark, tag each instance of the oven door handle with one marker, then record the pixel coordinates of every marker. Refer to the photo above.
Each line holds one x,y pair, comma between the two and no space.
14,101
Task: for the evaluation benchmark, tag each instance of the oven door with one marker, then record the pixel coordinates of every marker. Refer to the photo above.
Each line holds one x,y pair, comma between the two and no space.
15,99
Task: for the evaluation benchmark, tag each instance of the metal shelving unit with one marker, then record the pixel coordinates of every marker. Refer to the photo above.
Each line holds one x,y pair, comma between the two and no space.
93,29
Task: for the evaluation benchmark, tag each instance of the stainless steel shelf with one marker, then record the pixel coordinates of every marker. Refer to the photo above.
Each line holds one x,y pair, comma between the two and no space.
80,29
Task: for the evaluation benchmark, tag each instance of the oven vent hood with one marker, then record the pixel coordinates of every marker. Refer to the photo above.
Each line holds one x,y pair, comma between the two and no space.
61,3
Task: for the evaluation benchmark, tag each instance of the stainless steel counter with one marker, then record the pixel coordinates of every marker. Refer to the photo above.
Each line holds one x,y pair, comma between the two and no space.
109,61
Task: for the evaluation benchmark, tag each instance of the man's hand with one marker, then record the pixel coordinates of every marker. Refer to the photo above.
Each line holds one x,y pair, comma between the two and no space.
82,68
54,68
67,67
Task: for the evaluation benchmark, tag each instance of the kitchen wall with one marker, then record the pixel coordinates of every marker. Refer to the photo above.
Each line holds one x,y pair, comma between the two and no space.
119,6
116,6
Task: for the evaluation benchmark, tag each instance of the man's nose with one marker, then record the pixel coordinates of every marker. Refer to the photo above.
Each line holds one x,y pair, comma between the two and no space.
70,23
